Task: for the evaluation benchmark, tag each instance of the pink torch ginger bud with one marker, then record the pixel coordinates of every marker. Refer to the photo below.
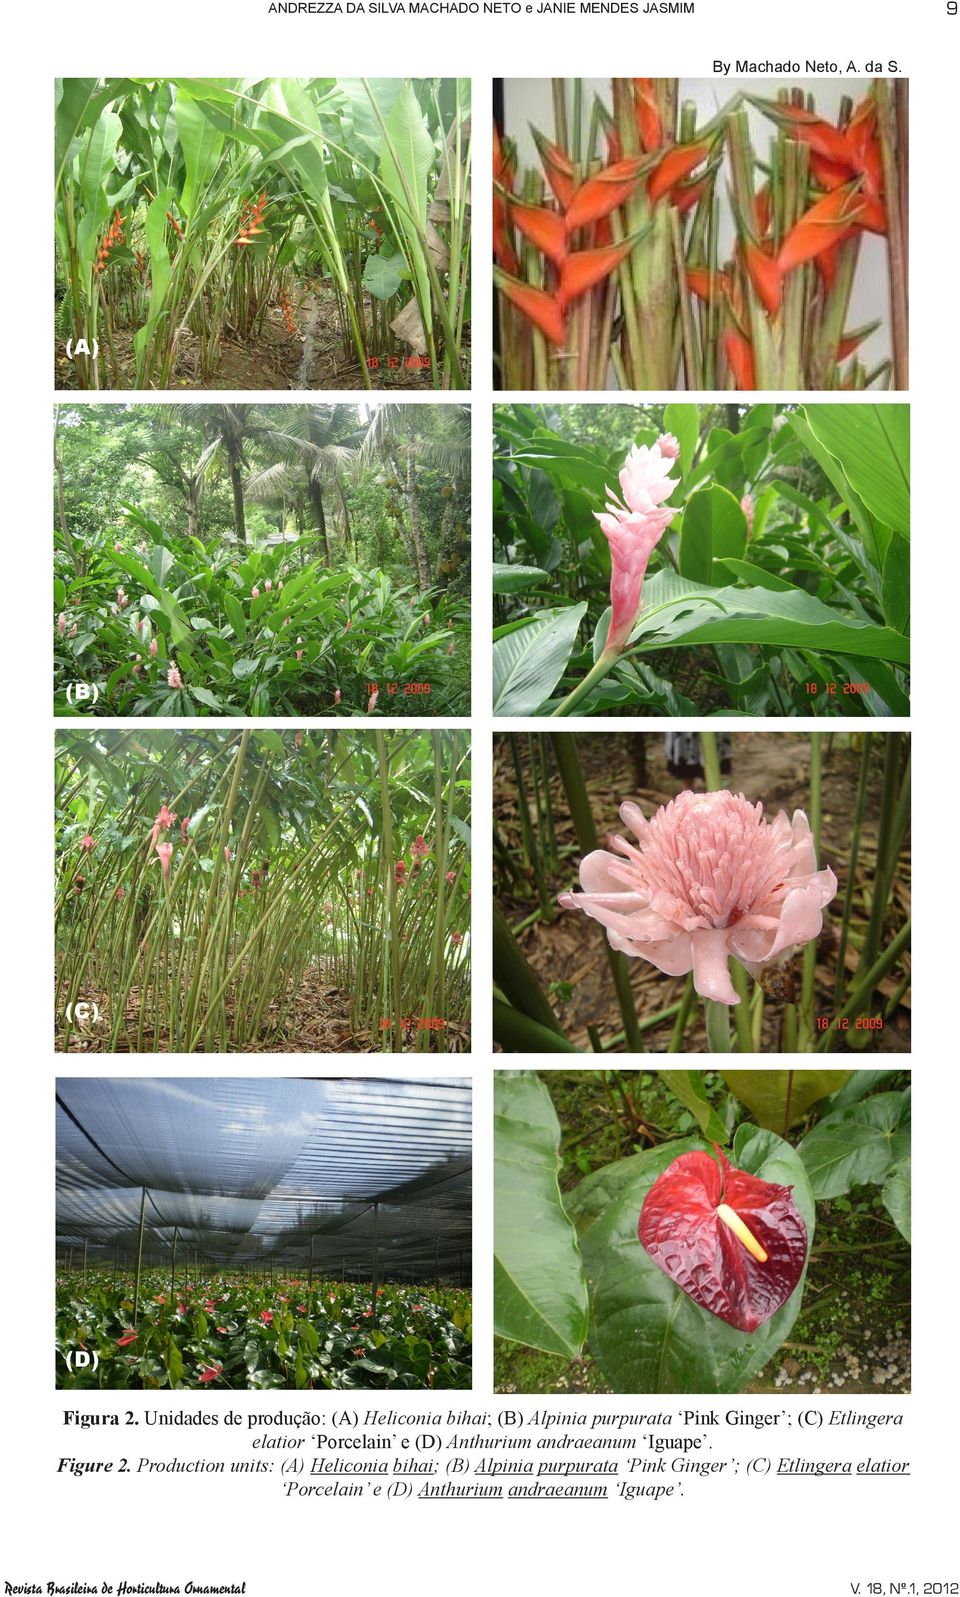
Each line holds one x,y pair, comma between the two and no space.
254,879
748,507
165,818
633,529
372,701
118,548
710,878
153,648
88,843
280,590
254,593
165,851
140,626
668,446
62,622
268,586
184,827
137,667
449,877
119,893
426,618
457,937
418,847
337,696
226,853
174,679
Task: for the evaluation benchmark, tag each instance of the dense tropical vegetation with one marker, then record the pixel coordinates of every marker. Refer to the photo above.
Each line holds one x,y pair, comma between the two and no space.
262,891
262,559
779,586
236,1330
262,233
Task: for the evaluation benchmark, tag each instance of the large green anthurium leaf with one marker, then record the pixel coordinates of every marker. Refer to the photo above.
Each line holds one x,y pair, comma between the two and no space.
773,1095
539,1294
857,1145
528,663
714,528
645,1333
872,444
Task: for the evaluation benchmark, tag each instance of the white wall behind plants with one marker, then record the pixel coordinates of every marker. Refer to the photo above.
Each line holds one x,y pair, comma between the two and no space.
530,100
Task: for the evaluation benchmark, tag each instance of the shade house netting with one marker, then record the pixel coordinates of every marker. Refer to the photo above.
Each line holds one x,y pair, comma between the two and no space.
338,1175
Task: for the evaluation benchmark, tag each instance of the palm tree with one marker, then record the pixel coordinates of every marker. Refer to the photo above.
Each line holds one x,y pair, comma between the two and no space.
316,446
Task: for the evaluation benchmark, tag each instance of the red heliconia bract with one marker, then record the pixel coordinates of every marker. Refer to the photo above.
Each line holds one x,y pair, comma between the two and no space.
733,1243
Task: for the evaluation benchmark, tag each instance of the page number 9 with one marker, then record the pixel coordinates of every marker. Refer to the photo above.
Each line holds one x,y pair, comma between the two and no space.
951,8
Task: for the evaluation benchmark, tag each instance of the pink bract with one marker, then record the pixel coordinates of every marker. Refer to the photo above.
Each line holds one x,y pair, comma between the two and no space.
710,878
633,529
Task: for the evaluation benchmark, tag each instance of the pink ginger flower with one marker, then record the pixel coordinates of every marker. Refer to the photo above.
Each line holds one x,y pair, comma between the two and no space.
165,853
633,529
62,622
254,593
226,852
174,679
268,586
165,817
748,507
119,893
337,696
372,701
710,878
457,937
419,848
153,648
118,548
668,446
450,877
88,842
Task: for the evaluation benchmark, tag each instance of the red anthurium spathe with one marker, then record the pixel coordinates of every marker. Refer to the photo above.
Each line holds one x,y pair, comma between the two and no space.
734,1244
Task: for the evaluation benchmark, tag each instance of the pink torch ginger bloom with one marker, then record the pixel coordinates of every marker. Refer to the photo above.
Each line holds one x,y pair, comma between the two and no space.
372,701
165,818
668,446
165,852
710,878
174,679
268,585
633,529
266,1316
119,893
457,937
212,1373
449,876
419,847
748,507
153,648
88,842
254,593
62,622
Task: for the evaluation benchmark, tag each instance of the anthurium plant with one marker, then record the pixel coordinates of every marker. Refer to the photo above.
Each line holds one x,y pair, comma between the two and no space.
681,1267
608,260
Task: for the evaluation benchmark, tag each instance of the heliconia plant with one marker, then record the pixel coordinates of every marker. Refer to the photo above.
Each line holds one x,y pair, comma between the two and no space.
607,261
197,214
193,875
